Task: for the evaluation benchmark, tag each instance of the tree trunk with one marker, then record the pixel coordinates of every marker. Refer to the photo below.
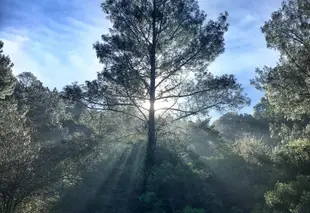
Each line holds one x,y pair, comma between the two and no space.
150,152
151,145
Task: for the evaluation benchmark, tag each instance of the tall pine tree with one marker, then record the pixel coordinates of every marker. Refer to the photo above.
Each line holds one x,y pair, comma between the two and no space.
159,50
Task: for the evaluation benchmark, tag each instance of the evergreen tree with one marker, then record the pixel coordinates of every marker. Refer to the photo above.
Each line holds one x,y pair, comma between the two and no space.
159,50
287,84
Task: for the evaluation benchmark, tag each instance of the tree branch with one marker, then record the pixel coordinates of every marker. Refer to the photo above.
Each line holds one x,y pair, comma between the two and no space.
296,64
179,67
116,110
169,108
138,30
170,89
186,95
190,113
111,109
135,104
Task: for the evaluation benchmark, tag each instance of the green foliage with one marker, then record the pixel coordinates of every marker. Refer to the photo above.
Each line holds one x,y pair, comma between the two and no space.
294,159
282,129
233,126
189,209
286,105
286,85
246,170
151,203
293,196
178,186
45,143
179,182
27,169
7,80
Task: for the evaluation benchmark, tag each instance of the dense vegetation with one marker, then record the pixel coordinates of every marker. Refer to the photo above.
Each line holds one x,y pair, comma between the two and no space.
95,147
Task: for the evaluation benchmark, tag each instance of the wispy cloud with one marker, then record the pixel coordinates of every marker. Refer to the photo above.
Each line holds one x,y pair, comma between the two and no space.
53,39
245,44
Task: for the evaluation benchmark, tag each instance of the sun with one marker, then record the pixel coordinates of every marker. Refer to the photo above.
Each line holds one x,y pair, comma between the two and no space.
159,105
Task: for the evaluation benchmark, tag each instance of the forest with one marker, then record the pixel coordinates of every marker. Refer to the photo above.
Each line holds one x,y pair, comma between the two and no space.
140,138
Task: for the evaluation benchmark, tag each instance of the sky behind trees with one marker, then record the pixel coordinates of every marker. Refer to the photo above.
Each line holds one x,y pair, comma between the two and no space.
53,39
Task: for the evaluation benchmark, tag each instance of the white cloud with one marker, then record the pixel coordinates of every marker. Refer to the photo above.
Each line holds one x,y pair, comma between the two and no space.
58,53
14,45
22,62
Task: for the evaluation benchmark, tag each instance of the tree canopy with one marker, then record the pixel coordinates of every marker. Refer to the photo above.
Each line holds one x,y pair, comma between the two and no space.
286,85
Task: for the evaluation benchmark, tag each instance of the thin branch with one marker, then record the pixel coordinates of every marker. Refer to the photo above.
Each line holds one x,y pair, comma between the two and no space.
175,31
169,89
135,104
147,86
116,110
107,105
160,26
186,95
298,38
190,113
169,108
173,109
124,96
296,64
112,105
111,109
179,67
137,29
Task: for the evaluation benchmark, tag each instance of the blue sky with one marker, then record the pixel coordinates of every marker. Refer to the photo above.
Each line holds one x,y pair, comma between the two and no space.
53,38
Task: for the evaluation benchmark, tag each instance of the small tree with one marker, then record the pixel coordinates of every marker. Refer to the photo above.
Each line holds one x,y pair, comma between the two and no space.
17,154
32,167
159,51
33,170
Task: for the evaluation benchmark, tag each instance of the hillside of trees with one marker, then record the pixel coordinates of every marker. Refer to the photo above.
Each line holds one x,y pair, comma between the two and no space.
96,147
